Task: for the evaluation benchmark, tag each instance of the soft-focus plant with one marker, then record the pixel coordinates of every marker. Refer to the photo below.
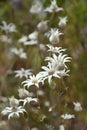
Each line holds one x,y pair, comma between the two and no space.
38,69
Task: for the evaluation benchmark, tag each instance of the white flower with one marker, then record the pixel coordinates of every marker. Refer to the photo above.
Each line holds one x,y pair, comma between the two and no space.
53,7
56,67
32,39
33,80
53,35
31,42
42,26
67,116
36,8
13,111
23,93
19,52
33,35
23,39
51,71
77,106
61,127
28,100
62,21
8,28
13,101
23,73
59,61
55,49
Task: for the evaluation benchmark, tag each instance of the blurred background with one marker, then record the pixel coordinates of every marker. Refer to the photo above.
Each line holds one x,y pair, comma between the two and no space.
75,40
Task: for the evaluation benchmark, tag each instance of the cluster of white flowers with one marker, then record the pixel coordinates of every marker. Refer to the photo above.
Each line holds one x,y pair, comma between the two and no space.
56,62
56,66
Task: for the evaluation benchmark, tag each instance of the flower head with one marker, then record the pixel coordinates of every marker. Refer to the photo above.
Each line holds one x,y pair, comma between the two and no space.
54,35
33,80
23,39
19,52
53,7
33,35
77,106
62,21
23,73
8,28
28,100
23,93
13,111
42,26
32,39
67,116
59,61
31,42
50,71
13,101
55,49
36,7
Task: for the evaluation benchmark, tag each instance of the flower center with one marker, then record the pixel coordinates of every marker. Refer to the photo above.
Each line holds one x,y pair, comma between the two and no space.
51,72
34,80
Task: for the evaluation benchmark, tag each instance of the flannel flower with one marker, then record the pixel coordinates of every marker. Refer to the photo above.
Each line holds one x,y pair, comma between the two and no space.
28,100
42,26
23,39
23,93
67,116
55,49
62,22
36,7
14,110
22,73
54,35
59,61
77,106
25,96
56,66
50,71
32,39
19,52
33,35
8,28
53,7
33,80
